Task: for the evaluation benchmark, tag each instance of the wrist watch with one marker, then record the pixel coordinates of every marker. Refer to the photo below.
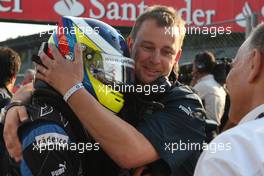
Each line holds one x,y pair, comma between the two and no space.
7,107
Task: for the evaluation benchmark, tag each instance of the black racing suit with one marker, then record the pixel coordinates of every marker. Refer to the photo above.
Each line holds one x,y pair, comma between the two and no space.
55,142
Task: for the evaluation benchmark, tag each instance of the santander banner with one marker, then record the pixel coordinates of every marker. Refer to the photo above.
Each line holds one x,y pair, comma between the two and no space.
124,13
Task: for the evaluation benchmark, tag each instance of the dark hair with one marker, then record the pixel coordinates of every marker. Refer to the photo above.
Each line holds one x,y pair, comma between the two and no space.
257,38
221,69
9,65
164,16
205,62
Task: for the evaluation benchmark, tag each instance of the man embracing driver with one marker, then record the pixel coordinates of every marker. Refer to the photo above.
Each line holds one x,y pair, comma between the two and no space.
151,125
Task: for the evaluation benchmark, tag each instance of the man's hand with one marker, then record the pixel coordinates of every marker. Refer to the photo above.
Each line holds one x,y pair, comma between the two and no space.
14,117
59,72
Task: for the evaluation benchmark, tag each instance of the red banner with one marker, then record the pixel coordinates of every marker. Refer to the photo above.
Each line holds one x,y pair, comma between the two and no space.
120,13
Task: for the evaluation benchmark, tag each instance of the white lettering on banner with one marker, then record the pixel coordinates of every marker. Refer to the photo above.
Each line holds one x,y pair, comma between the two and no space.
142,7
196,15
125,8
187,10
100,7
128,12
113,14
15,8
113,10
199,17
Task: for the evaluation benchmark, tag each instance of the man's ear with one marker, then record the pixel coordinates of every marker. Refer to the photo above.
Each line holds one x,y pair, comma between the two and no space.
130,43
178,56
256,64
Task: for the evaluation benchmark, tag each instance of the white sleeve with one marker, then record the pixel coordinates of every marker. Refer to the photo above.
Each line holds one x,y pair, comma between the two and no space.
209,166
209,99
212,107
235,152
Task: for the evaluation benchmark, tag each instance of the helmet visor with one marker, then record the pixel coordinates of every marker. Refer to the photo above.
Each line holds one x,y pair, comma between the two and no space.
107,68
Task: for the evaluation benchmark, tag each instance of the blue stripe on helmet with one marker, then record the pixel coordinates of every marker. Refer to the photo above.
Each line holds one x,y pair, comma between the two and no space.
88,85
70,34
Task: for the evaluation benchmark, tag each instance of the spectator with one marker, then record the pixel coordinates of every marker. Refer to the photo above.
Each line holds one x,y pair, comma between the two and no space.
9,67
28,78
220,73
212,94
148,122
241,151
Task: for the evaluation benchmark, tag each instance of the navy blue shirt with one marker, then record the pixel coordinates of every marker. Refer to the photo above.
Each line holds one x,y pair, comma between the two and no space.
169,120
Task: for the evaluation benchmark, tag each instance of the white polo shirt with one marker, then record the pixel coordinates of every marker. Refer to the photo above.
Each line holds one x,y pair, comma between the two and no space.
244,150
213,96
